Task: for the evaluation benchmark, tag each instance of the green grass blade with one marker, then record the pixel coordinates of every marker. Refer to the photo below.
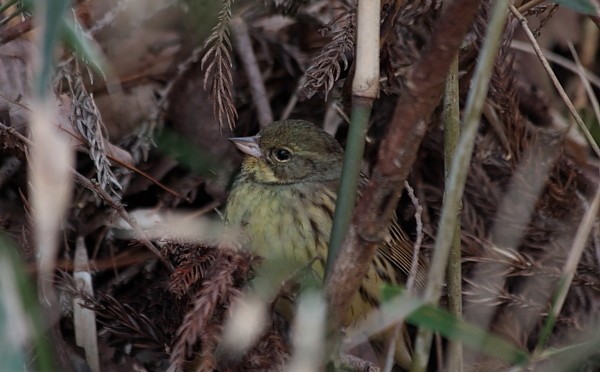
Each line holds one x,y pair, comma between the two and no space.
51,15
18,303
433,319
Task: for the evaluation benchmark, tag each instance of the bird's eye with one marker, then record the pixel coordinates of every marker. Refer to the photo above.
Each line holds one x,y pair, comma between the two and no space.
282,155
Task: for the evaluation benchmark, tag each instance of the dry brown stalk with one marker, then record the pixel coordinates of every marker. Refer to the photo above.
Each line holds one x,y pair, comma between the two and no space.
16,31
377,206
243,44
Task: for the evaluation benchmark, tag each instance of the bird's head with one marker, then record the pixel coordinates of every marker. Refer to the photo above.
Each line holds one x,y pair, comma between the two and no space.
291,151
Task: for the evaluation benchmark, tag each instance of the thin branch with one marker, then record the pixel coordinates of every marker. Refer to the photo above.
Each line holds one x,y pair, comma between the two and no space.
242,41
414,269
9,34
530,5
118,207
289,107
163,102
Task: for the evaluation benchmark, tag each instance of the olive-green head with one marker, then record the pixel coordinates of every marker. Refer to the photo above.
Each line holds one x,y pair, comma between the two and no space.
291,151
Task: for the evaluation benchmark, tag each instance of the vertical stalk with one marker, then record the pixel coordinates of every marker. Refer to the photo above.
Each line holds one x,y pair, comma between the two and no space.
365,88
458,174
454,272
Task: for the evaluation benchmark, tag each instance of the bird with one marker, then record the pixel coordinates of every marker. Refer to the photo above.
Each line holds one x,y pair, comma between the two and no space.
283,200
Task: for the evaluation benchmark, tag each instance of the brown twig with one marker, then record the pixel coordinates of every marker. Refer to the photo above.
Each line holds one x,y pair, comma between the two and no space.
83,181
530,5
118,207
375,210
242,41
12,33
148,177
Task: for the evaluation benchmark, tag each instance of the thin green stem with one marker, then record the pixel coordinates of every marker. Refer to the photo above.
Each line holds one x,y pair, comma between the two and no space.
458,173
454,272
355,145
365,88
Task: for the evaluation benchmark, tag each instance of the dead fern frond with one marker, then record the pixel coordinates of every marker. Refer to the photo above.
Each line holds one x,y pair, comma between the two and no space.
229,270
327,67
494,296
128,323
410,30
270,353
209,339
504,94
191,266
473,42
119,319
89,124
217,64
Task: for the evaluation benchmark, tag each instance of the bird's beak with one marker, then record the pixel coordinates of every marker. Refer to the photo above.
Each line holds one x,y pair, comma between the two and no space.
248,145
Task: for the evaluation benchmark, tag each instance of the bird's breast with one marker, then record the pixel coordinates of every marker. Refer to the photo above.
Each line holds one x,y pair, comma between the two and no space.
284,222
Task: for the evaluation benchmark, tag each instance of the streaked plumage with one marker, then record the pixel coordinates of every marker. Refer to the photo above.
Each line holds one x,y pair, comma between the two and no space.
284,199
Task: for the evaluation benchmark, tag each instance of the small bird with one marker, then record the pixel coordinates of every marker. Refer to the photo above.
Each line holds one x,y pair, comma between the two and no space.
284,200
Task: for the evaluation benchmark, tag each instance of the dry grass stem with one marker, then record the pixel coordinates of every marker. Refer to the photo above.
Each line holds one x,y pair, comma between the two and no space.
50,160
588,88
84,320
243,43
308,334
558,59
458,172
555,82
366,78
530,5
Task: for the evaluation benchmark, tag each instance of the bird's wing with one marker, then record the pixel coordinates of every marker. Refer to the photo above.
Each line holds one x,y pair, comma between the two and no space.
398,250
